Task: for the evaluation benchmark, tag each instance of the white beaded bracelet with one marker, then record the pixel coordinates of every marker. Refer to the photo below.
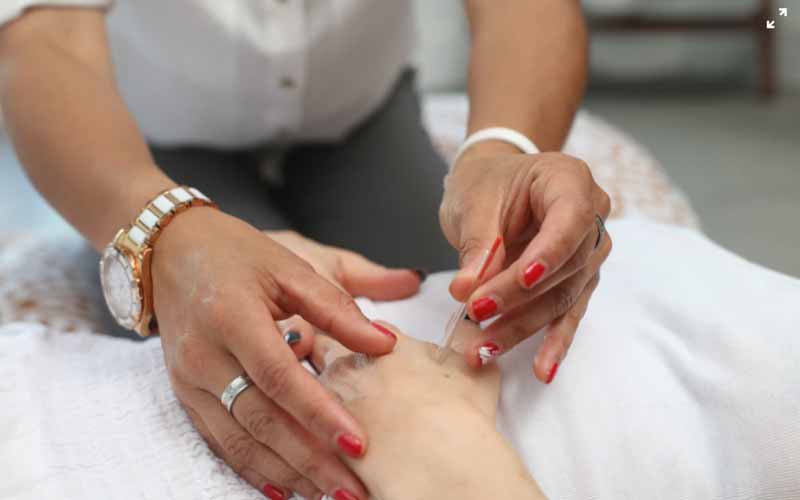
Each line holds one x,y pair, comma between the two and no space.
499,134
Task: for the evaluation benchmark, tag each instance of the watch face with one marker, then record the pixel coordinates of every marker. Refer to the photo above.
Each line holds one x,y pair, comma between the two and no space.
120,287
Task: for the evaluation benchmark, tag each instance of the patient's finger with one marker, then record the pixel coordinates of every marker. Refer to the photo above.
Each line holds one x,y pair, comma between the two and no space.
561,332
246,456
298,334
326,350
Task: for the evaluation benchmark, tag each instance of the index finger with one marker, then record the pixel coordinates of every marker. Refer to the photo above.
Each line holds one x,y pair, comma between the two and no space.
271,364
334,312
568,219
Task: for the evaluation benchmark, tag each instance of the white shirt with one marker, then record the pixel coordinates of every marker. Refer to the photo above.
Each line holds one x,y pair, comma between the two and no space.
234,73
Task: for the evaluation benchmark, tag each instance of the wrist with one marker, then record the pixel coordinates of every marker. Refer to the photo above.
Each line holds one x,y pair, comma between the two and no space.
491,147
192,232
126,263
126,200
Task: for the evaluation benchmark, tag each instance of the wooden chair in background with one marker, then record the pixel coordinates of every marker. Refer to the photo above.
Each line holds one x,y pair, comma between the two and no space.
754,23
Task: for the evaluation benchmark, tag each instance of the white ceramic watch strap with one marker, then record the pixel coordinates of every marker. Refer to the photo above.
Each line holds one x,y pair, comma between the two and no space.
163,206
498,134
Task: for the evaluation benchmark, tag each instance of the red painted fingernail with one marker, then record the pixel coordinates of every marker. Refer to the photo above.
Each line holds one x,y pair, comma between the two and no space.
533,273
273,493
552,374
350,444
384,330
343,494
484,308
488,351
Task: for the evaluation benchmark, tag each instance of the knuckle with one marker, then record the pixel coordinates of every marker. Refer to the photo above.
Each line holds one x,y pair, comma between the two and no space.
605,203
274,378
594,282
517,332
468,246
347,305
445,213
260,423
584,213
310,466
315,418
189,356
563,300
573,166
213,315
293,480
559,244
574,315
240,448
609,245
345,308
581,256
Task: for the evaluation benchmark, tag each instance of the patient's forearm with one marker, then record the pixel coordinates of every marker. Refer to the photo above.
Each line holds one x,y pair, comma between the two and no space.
71,130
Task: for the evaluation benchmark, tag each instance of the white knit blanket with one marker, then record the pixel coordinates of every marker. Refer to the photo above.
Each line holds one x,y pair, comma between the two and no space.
683,383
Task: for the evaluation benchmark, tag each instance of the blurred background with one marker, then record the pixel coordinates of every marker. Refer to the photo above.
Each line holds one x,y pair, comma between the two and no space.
704,84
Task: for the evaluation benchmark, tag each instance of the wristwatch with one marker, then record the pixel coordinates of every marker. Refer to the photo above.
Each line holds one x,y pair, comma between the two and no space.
125,263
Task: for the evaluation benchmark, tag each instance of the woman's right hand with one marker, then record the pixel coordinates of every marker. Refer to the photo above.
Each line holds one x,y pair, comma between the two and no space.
219,286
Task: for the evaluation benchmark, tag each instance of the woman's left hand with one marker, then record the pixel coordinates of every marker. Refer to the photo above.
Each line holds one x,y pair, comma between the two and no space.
350,271
544,206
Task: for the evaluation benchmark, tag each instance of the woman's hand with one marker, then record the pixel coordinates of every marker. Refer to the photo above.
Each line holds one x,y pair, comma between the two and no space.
432,425
219,287
544,207
350,271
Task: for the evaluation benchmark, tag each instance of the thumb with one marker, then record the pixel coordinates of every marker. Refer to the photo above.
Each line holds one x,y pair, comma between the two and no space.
481,258
363,278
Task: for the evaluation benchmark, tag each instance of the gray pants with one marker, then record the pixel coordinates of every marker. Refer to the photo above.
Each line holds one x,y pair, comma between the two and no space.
377,192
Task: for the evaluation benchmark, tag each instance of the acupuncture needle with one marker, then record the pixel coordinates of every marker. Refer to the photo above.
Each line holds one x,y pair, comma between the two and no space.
461,311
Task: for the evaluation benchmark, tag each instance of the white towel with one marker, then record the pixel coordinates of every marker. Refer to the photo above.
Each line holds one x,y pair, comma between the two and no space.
683,383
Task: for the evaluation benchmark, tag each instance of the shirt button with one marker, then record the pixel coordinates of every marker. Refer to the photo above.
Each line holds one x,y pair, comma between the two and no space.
288,83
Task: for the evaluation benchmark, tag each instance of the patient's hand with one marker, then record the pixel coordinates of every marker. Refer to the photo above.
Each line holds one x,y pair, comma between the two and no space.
431,426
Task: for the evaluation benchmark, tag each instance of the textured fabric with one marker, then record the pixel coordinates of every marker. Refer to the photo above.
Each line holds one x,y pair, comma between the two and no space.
235,73
681,384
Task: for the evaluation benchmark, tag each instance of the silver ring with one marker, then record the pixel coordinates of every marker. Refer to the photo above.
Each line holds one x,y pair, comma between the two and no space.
232,391
601,229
